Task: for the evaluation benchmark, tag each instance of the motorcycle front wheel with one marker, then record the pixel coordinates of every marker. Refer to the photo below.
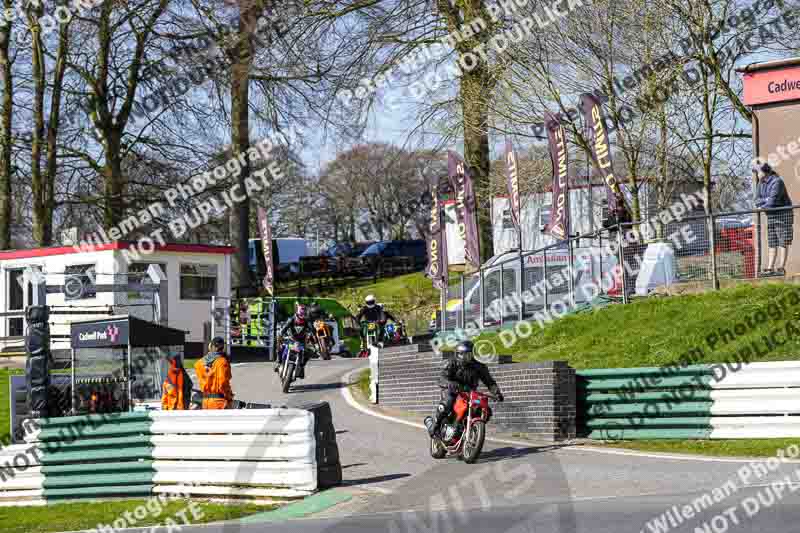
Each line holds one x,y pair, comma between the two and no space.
286,380
438,451
473,443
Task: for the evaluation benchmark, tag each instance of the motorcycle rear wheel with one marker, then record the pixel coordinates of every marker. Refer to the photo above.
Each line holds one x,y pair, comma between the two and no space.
286,381
473,443
324,350
438,451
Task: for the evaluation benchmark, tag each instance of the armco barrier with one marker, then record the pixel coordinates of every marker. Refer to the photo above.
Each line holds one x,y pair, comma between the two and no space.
712,401
276,453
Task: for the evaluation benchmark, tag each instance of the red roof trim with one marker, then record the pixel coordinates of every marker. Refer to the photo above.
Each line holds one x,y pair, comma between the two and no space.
116,245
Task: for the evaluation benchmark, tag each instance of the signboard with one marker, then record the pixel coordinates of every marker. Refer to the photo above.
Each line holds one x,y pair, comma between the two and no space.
768,86
100,334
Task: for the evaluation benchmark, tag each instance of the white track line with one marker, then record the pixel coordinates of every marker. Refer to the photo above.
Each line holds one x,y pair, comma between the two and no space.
348,397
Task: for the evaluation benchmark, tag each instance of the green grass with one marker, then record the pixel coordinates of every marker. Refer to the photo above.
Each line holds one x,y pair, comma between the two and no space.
717,448
363,382
87,515
655,331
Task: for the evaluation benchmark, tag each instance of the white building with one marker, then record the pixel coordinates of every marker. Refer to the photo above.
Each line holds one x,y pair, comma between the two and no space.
194,274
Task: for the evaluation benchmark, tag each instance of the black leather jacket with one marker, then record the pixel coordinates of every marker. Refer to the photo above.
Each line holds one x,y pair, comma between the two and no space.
456,375
376,313
296,331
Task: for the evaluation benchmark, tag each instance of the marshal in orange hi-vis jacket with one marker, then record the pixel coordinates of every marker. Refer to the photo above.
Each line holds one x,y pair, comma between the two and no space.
174,389
214,376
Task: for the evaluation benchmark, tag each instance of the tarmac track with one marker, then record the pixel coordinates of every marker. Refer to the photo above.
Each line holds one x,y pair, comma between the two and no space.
397,487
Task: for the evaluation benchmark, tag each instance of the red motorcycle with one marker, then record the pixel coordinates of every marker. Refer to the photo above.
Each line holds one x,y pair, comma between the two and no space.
464,431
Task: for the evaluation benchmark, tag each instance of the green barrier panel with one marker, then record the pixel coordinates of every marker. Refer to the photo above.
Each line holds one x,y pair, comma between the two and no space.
648,409
129,453
645,403
683,394
80,431
97,468
634,422
71,494
644,371
77,481
630,384
650,434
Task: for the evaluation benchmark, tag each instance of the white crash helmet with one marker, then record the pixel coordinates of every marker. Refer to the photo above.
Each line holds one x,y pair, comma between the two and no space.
370,300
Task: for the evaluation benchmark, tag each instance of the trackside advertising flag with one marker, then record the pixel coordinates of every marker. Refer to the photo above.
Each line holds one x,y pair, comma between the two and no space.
601,151
513,184
266,246
558,226
437,239
466,217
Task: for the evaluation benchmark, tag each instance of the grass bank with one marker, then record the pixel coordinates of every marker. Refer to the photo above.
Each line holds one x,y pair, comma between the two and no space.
715,448
89,515
656,331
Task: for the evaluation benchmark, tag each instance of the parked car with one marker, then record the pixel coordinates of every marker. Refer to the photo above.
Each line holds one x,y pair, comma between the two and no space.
286,252
347,249
412,248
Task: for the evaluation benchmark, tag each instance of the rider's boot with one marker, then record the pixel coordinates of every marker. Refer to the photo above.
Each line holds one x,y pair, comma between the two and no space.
435,421
301,372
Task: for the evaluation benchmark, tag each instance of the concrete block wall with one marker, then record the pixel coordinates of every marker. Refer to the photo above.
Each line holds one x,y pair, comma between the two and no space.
539,402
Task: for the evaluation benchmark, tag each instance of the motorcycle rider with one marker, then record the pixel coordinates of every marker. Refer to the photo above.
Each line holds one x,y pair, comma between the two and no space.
315,312
460,373
298,329
372,312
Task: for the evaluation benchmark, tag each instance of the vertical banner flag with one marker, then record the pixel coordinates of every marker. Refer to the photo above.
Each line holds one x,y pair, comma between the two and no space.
513,185
466,217
437,239
266,246
558,226
601,153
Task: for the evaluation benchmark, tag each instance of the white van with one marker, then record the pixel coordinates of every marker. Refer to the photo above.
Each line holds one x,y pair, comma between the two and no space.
592,267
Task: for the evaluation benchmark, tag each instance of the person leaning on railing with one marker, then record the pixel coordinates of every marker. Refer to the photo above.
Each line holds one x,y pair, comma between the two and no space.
771,193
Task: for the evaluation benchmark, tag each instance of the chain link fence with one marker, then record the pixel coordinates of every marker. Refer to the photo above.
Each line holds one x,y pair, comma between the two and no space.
623,262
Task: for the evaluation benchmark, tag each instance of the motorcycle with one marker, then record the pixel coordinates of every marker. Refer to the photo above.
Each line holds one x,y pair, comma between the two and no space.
324,339
292,356
372,338
464,431
396,333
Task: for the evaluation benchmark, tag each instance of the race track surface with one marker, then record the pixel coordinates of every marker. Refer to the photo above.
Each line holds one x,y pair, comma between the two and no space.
397,487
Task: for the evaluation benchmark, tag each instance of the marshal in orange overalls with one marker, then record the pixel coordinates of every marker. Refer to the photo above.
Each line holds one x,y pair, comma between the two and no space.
172,397
214,374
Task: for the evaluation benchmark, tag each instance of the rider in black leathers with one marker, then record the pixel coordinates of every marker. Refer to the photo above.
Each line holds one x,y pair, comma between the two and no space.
297,328
460,373
373,312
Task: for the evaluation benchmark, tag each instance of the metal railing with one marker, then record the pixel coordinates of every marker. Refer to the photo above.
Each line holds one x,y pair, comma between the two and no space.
622,262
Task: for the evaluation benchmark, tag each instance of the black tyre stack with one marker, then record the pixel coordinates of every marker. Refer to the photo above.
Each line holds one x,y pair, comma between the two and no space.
329,467
37,365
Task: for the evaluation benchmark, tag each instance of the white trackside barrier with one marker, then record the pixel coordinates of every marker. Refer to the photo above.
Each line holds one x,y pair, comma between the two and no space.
21,478
255,453
755,400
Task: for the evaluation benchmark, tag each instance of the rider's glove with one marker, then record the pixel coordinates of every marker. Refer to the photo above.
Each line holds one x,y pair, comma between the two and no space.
454,388
499,396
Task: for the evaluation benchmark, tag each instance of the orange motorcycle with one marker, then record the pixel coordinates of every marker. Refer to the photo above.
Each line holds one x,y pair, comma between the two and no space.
323,334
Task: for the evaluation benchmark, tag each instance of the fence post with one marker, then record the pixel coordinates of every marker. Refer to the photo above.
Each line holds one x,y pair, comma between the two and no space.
481,301
502,297
463,305
600,235
571,284
621,264
713,244
443,303
521,286
759,256
546,280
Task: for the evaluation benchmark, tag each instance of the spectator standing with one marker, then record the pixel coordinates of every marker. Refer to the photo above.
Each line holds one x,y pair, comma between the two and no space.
771,194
